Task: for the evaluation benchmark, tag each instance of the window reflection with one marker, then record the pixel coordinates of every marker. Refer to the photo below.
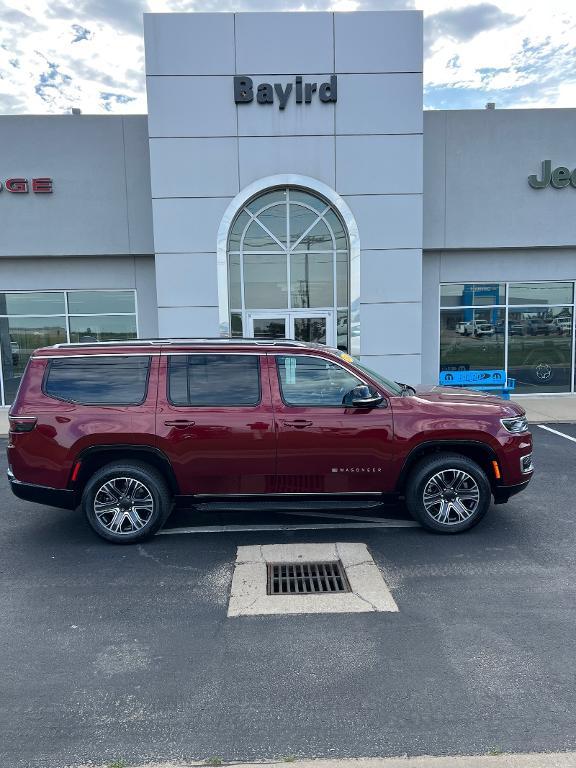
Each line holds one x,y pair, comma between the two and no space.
105,328
312,279
33,319
472,294
537,327
540,348
541,293
471,339
20,336
265,281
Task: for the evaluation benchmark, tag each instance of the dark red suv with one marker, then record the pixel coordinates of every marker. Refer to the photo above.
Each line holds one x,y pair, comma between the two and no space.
127,429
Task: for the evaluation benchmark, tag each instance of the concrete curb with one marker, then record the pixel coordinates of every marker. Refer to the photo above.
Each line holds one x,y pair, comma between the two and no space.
528,760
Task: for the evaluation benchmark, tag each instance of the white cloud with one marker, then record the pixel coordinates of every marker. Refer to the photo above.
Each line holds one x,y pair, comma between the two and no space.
58,54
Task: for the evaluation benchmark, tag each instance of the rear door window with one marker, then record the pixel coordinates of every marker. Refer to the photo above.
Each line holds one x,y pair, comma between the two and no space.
216,380
106,380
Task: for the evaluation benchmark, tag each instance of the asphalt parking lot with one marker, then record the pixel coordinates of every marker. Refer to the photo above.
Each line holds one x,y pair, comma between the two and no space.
127,653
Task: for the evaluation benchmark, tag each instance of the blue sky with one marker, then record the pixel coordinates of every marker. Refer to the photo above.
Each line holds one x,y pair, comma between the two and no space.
58,54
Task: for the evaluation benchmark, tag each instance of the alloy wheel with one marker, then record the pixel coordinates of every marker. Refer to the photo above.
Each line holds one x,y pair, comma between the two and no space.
123,505
451,496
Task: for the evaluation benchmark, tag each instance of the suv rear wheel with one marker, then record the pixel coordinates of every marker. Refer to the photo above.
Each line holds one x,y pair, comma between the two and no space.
127,502
448,493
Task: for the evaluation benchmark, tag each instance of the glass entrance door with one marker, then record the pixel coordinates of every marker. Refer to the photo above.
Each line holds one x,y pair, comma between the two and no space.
316,327
268,327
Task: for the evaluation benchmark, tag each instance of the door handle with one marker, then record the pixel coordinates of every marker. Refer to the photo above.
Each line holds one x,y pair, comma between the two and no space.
298,423
179,423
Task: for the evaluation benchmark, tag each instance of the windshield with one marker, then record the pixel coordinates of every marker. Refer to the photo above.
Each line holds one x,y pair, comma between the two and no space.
391,386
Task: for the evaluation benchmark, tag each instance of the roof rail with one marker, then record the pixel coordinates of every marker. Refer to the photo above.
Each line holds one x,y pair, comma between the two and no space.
216,341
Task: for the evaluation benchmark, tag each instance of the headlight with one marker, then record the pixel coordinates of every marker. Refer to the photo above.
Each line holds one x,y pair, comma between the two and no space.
515,424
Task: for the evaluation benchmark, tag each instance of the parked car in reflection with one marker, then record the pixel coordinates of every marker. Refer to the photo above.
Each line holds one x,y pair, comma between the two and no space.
475,328
515,327
484,329
15,349
536,326
464,328
562,325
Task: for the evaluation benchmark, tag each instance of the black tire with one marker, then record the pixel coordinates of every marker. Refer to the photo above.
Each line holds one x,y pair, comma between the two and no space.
152,502
423,474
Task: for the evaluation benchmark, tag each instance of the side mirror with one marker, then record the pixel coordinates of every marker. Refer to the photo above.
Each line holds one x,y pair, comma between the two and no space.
362,397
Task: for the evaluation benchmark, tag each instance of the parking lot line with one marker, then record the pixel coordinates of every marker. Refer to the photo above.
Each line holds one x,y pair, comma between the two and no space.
555,431
307,527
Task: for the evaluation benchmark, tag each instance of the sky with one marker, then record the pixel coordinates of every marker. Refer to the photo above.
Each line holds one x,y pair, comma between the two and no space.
59,54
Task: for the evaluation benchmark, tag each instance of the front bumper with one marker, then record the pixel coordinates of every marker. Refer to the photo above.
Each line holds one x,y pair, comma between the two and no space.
503,492
42,494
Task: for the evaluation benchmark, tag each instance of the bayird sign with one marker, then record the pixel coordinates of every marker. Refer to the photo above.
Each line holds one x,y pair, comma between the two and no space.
270,93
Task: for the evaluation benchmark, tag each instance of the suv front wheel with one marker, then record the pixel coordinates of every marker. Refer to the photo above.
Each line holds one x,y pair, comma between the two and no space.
127,502
448,493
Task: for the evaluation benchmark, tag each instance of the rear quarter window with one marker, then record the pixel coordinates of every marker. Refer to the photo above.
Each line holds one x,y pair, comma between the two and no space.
114,380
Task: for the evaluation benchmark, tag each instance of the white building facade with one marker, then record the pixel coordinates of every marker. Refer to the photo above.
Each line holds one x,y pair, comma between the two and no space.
286,168
286,183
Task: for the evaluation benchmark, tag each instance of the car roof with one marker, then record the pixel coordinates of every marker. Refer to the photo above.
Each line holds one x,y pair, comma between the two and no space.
134,346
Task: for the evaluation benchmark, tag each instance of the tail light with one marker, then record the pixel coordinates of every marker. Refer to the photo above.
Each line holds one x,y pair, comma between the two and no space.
22,423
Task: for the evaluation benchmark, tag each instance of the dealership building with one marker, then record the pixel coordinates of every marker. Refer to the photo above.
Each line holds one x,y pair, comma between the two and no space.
286,182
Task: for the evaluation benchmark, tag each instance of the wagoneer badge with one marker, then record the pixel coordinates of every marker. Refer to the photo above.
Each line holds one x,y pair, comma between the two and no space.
356,469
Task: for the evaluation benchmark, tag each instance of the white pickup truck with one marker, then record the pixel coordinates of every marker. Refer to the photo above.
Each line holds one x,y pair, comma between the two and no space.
475,328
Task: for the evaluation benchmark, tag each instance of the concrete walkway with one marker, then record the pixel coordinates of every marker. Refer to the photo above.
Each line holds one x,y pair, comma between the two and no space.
543,760
549,408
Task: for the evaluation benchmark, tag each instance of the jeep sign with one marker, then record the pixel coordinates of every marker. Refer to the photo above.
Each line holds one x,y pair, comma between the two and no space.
268,93
557,178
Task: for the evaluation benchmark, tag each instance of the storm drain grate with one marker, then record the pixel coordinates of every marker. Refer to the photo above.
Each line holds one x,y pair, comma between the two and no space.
306,578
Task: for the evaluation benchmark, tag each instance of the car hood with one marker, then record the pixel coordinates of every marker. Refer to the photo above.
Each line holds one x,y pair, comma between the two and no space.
458,396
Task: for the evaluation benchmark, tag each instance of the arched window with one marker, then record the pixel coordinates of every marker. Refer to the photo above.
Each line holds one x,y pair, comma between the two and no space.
288,269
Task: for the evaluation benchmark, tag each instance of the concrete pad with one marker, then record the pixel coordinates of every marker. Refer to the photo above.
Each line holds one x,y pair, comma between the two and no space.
248,595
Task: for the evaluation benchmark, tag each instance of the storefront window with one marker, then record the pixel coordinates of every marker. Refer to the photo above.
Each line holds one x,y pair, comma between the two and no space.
32,303
33,319
101,302
472,339
20,337
540,348
105,328
472,294
531,335
547,294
